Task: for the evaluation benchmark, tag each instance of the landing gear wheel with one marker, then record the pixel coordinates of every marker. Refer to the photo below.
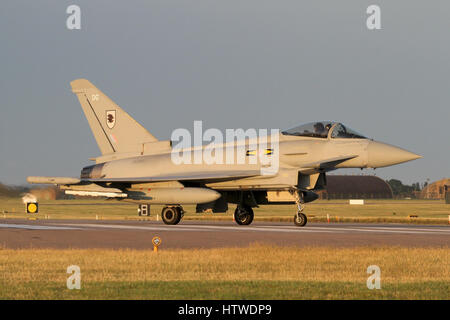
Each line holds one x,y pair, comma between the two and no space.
300,220
243,215
171,215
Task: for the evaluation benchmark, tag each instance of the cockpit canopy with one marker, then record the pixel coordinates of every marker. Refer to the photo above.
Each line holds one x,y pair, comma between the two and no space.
321,129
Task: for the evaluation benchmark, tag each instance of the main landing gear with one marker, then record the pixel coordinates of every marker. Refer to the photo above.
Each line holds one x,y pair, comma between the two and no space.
172,214
243,215
300,219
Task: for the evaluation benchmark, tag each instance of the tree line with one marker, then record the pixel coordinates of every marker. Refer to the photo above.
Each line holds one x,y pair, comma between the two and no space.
12,191
402,190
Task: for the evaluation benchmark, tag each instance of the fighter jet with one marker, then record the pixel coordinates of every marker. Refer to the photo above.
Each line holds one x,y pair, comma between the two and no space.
135,166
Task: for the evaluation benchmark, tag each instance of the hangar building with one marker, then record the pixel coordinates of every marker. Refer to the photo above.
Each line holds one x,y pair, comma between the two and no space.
435,190
355,187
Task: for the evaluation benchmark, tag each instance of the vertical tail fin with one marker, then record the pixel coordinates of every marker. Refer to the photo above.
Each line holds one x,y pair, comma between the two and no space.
113,128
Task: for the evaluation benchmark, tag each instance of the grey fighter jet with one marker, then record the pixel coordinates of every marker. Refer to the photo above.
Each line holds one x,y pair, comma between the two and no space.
135,166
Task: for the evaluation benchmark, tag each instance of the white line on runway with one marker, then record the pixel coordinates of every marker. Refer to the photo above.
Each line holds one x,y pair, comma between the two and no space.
118,226
257,228
34,227
326,229
266,228
362,228
194,228
191,228
374,229
413,229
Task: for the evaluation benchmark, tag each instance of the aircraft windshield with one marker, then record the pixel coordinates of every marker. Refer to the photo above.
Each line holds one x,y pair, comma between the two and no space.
321,129
340,131
314,129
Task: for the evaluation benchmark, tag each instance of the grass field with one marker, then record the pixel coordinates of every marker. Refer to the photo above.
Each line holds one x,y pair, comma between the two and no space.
256,272
427,211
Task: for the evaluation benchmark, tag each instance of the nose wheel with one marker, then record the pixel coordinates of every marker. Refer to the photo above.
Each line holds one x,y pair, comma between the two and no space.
300,218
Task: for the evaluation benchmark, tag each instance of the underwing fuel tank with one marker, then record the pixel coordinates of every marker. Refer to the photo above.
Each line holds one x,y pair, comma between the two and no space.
173,195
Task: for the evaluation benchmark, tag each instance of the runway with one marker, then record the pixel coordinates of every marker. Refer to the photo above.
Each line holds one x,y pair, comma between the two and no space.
21,233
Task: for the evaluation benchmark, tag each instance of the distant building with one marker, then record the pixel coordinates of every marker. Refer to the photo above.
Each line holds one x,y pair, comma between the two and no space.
355,187
435,190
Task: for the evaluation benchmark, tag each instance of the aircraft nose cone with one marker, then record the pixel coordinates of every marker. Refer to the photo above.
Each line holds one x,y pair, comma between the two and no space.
383,155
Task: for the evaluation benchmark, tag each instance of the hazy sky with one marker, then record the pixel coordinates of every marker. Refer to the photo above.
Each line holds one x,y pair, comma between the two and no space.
233,63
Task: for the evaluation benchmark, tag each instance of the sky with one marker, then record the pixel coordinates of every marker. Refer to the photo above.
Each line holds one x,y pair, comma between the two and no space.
232,64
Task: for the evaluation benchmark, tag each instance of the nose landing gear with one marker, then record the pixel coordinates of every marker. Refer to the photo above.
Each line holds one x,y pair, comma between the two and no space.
300,218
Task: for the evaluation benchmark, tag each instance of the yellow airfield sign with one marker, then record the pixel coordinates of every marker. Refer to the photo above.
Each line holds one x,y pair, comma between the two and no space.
32,207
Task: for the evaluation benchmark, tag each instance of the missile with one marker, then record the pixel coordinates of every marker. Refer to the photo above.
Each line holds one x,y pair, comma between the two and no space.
173,195
96,194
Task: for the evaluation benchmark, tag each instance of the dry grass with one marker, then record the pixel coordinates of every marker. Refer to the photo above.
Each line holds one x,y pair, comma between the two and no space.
23,273
254,263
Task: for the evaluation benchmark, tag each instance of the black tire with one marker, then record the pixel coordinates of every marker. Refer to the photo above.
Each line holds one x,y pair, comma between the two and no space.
243,215
300,220
171,215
